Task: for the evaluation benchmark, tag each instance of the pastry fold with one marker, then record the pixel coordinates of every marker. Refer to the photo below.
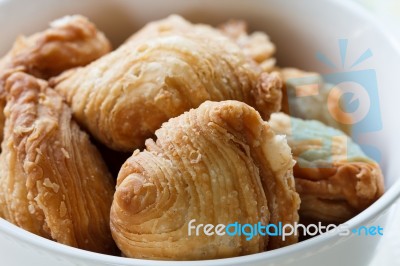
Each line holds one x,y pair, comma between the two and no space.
334,178
125,96
307,96
53,181
70,42
217,164
256,46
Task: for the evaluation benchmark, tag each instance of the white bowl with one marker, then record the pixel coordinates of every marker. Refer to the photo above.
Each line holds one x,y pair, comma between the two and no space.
300,29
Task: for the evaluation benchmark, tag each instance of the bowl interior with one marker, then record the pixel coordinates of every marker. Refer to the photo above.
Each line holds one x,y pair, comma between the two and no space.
300,30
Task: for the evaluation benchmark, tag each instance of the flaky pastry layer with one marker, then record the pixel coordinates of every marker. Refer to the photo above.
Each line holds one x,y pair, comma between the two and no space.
217,164
53,181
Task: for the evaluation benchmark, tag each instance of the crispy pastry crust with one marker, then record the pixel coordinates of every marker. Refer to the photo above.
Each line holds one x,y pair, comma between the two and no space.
70,42
331,191
257,45
219,163
53,181
338,193
125,96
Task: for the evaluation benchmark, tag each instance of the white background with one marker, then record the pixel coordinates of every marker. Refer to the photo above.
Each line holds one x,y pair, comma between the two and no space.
388,251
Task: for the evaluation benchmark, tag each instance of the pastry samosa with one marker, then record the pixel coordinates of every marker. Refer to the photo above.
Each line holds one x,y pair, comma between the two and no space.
53,181
70,42
125,96
333,176
217,164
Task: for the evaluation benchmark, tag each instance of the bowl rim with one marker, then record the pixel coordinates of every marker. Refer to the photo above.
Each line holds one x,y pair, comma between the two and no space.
44,244
373,211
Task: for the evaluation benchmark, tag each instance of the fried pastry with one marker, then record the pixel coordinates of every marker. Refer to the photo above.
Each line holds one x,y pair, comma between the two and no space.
53,181
172,25
125,96
334,178
217,164
70,42
256,45
307,96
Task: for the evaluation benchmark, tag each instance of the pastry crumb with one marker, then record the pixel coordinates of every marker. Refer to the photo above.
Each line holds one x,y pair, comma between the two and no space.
194,157
66,154
47,183
63,209
31,209
39,151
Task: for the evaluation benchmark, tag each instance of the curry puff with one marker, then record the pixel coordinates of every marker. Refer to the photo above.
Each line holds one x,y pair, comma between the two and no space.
257,45
333,176
217,164
53,181
70,42
125,96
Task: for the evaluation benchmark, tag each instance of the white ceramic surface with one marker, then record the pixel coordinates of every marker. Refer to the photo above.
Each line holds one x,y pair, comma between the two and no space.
300,29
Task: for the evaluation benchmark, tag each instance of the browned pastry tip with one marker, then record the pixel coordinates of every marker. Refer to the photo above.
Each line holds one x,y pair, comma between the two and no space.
217,164
334,178
69,42
268,94
256,45
54,182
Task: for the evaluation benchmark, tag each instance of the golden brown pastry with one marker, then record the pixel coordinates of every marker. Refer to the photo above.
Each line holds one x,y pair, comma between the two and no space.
172,25
306,96
334,178
69,42
53,181
217,164
125,96
256,45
